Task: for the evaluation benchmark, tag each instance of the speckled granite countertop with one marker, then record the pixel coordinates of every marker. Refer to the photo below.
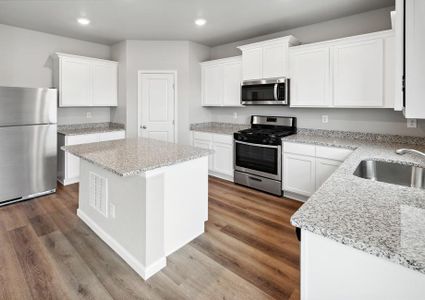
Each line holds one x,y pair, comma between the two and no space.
134,156
87,128
381,219
217,127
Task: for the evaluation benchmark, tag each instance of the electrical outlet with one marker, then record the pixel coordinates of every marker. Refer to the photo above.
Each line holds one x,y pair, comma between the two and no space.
325,119
88,115
412,123
235,115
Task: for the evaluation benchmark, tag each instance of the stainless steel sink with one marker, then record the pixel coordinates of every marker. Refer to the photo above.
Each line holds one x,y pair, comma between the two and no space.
391,173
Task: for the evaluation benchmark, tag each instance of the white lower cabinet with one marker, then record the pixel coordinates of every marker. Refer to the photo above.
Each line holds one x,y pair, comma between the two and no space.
221,161
299,174
68,164
307,167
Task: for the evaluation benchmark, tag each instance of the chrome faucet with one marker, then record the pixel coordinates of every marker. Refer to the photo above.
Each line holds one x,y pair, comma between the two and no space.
412,151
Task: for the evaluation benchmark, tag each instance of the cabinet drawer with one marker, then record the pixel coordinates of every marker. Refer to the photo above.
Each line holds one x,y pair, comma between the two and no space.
81,139
113,135
223,138
339,154
301,149
202,136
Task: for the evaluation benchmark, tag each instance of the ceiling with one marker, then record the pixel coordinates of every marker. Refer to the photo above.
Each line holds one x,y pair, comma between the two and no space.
228,20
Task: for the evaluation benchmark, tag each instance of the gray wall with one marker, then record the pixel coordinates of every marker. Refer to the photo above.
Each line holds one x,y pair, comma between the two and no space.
180,56
364,120
25,61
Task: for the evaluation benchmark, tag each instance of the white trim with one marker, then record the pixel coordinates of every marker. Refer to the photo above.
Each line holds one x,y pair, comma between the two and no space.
295,196
68,181
220,175
143,271
187,241
139,98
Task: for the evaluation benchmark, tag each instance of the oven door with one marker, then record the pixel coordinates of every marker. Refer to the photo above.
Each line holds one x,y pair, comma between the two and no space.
257,159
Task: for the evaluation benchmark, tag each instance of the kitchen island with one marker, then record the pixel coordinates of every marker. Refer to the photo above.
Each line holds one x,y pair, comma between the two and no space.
144,198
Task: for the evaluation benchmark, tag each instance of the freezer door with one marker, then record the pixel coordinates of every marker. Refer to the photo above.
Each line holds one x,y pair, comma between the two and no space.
27,106
27,160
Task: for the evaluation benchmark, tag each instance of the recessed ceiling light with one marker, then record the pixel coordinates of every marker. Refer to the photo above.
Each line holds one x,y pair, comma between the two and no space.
83,21
200,22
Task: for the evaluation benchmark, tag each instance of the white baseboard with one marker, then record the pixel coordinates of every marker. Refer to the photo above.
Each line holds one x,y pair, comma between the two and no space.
222,176
65,181
295,196
144,271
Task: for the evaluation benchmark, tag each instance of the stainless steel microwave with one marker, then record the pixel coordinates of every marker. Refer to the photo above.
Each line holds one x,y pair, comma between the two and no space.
272,91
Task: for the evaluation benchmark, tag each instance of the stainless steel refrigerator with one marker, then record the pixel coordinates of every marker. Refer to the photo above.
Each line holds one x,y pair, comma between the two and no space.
28,149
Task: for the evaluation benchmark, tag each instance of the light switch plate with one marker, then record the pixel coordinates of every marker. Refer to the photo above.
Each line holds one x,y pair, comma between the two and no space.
325,119
412,123
88,115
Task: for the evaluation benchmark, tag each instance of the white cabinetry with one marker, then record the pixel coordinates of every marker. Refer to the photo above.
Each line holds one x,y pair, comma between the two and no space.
410,40
310,77
307,167
85,81
356,71
266,59
68,164
221,82
221,161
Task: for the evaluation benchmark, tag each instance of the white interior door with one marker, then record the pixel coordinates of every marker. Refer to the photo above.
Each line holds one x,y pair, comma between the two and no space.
157,106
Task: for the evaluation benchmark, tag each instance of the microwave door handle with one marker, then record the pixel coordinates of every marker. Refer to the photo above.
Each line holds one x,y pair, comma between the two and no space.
276,96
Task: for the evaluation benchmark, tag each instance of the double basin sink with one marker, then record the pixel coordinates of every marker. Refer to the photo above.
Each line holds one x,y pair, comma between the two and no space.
393,173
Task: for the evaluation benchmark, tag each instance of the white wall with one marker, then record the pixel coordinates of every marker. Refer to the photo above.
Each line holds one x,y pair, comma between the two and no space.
364,120
182,56
25,61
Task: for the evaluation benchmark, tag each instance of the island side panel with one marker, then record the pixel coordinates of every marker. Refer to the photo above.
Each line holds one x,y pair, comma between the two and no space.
131,221
186,202
333,271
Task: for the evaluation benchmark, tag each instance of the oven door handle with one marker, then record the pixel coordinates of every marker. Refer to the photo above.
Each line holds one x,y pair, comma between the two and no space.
276,96
258,145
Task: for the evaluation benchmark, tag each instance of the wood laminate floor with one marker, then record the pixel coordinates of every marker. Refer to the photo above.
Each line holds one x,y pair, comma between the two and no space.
249,251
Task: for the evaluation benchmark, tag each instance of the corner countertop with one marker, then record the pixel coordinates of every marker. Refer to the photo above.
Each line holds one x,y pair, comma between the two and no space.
382,219
218,127
88,128
130,157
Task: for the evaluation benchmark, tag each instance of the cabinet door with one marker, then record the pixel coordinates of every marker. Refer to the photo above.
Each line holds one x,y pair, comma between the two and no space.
204,144
223,158
212,85
72,163
310,81
252,64
105,77
358,74
415,58
232,77
299,174
75,83
275,60
324,169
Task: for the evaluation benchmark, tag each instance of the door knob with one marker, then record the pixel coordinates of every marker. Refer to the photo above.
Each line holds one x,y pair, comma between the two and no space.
143,127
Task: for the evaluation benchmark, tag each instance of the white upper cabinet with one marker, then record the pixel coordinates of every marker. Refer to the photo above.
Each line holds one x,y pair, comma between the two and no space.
410,40
266,59
356,72
105,84
310,77
85,81
221,82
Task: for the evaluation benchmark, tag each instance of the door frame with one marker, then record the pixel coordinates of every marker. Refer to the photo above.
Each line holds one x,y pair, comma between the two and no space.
139,98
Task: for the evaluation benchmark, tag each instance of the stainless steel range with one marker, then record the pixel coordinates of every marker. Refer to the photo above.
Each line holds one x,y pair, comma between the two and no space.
258,153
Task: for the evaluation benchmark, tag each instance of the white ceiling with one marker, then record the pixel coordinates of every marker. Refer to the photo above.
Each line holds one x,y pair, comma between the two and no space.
228,20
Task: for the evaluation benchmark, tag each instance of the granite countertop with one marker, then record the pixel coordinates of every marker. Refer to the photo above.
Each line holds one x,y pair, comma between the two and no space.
130,157
219,128
87,128
381,219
